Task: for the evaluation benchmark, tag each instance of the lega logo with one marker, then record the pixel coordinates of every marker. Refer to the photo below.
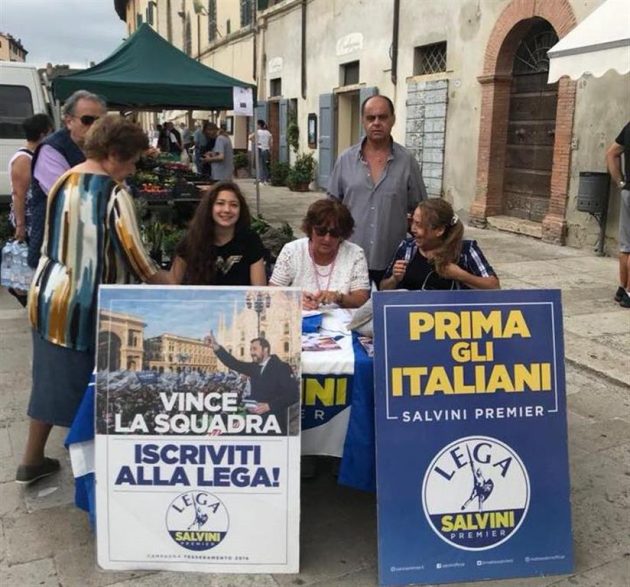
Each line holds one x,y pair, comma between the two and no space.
197,520
475,493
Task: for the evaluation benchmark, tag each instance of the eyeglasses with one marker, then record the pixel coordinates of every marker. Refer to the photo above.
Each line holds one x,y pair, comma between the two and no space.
323,231
87,120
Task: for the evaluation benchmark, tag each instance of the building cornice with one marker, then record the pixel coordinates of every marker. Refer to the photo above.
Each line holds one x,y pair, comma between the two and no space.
120,6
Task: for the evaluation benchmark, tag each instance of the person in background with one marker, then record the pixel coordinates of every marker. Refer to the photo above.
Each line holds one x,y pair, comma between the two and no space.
55,155
36,129
91,237
210,132
221,157
162,142
328,268
437,256
380,182
220,248
620,146
174,139
264,143
186,135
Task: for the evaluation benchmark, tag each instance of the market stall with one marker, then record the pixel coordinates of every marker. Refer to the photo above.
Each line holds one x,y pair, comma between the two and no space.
147,73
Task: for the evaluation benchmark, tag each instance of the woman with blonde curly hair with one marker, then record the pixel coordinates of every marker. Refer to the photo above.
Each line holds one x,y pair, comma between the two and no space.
438,256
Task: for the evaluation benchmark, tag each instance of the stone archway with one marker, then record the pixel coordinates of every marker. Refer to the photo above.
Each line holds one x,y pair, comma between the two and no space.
496,81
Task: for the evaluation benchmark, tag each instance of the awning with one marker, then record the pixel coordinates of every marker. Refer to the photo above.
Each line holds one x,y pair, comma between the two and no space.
601,42
146,72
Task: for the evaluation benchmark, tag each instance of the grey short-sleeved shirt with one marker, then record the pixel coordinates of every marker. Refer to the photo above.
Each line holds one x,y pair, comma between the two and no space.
379,211
223,170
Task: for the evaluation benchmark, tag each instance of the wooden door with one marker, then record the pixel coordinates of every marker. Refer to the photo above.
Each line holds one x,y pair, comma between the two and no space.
531,129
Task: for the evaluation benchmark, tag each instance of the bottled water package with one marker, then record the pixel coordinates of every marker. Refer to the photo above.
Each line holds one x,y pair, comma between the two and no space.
6,269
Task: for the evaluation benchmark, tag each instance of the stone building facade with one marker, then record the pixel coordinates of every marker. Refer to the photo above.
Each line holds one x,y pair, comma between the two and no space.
468,80
175,354
11,49
120,341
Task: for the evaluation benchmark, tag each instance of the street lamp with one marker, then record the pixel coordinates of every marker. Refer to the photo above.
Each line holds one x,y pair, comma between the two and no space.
258,301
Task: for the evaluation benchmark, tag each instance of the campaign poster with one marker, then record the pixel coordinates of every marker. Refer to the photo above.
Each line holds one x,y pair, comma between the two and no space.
198,429
471,436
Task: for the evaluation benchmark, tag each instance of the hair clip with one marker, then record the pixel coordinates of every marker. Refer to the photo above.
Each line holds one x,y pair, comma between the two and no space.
454,220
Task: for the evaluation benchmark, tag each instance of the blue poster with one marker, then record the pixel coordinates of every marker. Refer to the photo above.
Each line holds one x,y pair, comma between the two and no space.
471,436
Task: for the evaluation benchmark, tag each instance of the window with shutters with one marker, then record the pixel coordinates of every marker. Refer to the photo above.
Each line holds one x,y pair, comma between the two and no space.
275,87
212,20
349,73
187,36
429,59
247,12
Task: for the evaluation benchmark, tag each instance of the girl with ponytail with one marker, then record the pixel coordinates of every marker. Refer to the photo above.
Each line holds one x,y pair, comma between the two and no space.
437,256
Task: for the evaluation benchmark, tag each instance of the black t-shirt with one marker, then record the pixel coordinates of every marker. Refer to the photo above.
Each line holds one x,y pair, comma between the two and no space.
421,274
624,140
235,258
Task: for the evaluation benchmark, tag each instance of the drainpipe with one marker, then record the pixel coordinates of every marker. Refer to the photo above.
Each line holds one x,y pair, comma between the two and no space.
394,74
304,49
255,28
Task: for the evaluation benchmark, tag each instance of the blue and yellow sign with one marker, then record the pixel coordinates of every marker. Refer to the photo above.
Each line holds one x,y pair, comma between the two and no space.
471,435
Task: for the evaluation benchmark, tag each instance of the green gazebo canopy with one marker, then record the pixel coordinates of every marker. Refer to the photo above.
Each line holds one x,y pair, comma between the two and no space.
147,72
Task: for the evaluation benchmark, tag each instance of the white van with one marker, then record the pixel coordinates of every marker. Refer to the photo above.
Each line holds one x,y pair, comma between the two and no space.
21,96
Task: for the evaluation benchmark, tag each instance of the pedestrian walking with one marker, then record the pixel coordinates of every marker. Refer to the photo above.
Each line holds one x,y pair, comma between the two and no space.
621,179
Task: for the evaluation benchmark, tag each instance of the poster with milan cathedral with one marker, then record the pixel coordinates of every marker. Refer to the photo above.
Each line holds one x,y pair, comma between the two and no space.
198,429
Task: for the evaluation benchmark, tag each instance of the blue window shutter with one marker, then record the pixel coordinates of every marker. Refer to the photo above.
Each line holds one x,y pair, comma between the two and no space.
283,146
326,139
260,112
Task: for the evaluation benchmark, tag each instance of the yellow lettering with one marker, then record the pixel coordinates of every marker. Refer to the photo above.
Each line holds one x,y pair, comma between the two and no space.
447,523
499,379
342,385
515,324
438,382
314,390
419,322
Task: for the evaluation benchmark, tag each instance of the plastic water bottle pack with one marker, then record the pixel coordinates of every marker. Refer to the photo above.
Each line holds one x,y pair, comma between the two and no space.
14,271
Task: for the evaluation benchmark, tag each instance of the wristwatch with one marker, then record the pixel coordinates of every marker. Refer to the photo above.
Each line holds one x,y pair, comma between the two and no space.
621,184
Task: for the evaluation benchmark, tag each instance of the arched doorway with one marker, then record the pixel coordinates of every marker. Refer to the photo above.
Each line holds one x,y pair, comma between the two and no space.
531,127
517,22
108,351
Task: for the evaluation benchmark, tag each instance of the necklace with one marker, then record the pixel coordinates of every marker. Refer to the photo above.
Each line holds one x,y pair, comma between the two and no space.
318,273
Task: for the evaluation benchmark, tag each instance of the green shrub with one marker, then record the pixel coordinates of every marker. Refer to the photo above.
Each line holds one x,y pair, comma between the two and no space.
279,172
241,161
302,172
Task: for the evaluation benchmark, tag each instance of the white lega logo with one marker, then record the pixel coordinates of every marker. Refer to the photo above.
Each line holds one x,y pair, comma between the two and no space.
475,493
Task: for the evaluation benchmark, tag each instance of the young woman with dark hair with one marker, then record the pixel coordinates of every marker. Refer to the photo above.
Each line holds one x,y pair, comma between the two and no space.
220,248
437,256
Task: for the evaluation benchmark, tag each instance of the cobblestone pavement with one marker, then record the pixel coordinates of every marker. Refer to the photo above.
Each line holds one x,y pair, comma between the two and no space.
45,540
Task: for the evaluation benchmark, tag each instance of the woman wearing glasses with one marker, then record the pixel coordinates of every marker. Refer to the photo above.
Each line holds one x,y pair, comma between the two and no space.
328,268
437,256
91,237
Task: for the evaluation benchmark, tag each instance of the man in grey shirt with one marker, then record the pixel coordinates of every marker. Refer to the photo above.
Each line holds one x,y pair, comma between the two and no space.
221,157
380,182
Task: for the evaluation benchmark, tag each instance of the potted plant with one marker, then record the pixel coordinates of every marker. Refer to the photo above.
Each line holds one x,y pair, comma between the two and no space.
301,174
279,172
241,164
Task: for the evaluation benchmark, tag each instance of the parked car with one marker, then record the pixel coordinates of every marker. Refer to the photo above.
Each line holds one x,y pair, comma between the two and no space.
21,96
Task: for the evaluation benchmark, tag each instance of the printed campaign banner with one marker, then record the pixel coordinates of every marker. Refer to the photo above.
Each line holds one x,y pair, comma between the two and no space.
198,429
471,436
